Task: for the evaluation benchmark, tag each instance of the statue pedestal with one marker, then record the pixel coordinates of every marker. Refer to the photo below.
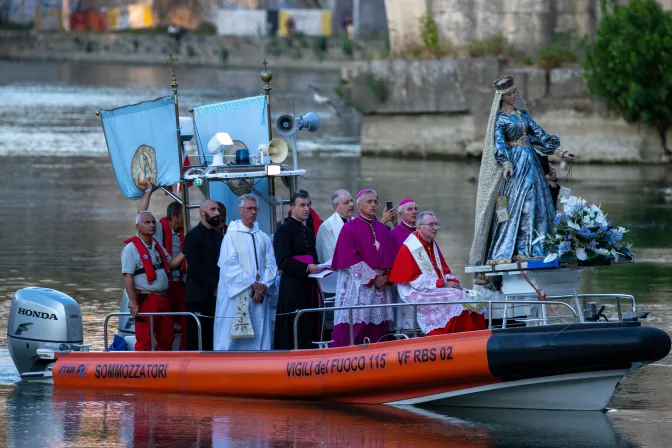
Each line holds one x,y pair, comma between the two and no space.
548,278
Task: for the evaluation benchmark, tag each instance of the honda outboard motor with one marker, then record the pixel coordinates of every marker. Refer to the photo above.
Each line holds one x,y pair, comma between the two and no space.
41,318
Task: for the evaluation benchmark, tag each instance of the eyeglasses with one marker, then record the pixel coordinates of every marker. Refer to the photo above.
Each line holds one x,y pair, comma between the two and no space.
251,209
431,224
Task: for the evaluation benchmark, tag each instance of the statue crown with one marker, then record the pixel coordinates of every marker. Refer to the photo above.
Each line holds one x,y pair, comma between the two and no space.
504,84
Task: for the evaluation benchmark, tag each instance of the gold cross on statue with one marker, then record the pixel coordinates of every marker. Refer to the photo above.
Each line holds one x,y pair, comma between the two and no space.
265,64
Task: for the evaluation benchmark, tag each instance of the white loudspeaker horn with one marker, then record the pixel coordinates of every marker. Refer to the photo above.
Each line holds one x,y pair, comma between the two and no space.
277,150
285,125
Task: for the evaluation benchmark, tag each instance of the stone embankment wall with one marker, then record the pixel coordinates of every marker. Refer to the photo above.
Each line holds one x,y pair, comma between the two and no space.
439,108
148,48
525,24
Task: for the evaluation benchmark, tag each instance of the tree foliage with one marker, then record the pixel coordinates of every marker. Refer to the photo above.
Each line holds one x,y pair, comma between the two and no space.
629,65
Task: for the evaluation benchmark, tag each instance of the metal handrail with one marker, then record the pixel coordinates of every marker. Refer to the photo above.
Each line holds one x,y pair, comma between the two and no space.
151,325
415,312
618,298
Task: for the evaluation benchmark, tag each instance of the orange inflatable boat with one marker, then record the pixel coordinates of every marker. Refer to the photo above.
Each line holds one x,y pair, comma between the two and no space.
573,366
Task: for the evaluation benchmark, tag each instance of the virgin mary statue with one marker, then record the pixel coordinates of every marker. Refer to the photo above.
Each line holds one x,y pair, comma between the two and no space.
511,168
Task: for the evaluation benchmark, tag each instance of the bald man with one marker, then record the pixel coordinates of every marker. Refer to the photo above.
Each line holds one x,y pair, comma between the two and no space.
201,247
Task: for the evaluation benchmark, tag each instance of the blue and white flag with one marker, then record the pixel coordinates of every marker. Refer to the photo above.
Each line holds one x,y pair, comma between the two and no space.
142,142
244,120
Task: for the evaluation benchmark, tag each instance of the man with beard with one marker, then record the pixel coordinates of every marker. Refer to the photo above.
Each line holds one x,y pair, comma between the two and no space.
294,245
201,247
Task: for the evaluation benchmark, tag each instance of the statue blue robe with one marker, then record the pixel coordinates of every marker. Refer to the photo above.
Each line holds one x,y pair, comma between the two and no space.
530,206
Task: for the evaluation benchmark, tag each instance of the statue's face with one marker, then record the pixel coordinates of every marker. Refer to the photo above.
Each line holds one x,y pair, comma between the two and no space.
509,97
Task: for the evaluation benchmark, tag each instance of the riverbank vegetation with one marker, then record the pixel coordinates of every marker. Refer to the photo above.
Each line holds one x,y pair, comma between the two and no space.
562,48
628,65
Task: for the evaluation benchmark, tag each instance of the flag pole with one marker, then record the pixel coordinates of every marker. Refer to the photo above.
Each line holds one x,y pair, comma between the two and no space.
266,77
173,84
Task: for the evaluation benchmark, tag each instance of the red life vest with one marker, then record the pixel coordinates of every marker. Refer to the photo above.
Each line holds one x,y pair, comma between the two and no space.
146,259
168,241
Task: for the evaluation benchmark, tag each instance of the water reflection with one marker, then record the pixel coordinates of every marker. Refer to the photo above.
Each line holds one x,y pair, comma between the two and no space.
77,418
88,418
540,428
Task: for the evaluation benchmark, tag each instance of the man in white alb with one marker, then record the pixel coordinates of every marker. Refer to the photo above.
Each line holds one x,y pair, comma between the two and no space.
246,289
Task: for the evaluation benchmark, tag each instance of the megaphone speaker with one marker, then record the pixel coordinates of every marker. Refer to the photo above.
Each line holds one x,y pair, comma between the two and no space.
309,122
277,150
285,125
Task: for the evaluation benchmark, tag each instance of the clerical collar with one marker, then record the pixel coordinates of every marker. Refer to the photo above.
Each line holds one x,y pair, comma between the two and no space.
423,241
366,220
407,227
343,219
303,223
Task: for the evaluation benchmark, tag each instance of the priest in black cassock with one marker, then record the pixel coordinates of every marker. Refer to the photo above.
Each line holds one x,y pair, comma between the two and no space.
294,246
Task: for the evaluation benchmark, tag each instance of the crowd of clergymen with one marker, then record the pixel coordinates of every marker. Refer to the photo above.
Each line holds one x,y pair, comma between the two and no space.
247,288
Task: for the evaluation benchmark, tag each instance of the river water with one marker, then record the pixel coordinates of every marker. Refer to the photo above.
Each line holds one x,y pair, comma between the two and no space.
64,220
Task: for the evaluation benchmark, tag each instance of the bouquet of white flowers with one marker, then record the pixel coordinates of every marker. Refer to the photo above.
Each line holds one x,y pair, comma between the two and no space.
582,233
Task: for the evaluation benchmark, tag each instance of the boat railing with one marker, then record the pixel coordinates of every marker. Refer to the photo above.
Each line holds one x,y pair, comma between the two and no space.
151,325
415,306
581,301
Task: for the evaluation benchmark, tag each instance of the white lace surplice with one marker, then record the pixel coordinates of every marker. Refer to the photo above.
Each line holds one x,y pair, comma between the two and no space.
351,290
422,290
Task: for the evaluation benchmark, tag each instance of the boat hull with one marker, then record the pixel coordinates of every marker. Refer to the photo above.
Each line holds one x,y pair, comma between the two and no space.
589,391
553,367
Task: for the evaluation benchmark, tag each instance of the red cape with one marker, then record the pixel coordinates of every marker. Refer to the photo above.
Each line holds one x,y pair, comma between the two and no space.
405,269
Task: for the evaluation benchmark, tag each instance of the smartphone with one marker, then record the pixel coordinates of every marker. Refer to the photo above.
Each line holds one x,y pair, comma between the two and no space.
388,204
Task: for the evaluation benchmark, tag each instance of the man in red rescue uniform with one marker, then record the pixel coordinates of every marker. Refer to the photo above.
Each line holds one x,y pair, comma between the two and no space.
170,234
145,266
